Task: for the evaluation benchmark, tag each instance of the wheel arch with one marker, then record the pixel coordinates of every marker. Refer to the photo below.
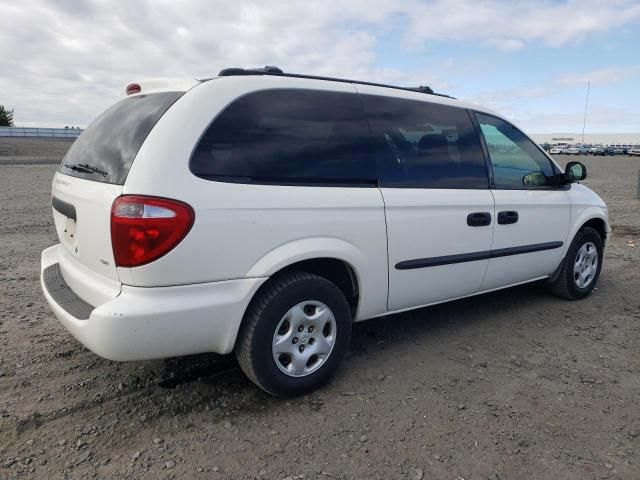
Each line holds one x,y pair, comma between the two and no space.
593,217
590,217
337,270
599,225
333,258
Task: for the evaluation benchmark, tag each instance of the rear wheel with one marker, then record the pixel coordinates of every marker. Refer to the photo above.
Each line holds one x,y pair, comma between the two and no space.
294,334
581,267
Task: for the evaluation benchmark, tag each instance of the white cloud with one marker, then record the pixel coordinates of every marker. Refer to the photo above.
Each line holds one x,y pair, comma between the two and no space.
600,118
499,98
63,61
506,44
543,107
603,76
511,25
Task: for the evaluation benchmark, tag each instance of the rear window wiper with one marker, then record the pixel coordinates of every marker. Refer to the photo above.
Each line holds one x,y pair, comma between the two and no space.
85,168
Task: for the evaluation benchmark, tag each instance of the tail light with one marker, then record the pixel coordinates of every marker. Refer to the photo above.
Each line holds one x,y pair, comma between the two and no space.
144,229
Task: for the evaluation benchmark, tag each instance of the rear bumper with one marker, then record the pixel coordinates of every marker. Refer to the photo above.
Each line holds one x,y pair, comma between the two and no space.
158,322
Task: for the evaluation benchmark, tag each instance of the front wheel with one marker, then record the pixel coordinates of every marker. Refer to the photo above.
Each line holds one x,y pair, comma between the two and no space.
294,334
581,267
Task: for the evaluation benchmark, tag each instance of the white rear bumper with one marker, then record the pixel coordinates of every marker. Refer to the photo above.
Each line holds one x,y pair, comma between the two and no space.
159,322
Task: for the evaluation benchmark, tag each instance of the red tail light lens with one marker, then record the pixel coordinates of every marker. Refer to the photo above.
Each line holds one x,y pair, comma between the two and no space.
144,229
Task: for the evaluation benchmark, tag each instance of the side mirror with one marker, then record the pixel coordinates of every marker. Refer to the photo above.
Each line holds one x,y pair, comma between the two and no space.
574,172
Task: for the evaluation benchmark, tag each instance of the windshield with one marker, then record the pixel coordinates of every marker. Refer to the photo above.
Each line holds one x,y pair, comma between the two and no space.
106,149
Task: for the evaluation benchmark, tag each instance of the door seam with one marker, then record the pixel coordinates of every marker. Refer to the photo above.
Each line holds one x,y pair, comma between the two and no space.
386,230
493,236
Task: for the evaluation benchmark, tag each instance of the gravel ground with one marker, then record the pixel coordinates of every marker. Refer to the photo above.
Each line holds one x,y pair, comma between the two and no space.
513,384
32,150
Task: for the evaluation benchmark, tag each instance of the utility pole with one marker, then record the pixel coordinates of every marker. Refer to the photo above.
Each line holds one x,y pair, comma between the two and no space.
586,104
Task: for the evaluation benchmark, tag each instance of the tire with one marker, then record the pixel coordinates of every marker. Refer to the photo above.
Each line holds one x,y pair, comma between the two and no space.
283,305
567,285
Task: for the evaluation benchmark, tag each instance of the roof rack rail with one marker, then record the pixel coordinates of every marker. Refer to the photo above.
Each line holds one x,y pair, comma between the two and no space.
275,71
266,70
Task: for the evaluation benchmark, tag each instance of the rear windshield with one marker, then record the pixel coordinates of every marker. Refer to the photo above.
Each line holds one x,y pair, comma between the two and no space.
106,149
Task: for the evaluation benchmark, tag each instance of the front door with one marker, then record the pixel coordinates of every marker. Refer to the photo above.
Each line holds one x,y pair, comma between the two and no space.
438,207
532,210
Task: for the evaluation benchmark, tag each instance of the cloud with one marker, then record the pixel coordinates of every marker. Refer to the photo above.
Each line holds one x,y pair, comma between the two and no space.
600,118
604,76
558,85
506,44
63,61
551,106
510,26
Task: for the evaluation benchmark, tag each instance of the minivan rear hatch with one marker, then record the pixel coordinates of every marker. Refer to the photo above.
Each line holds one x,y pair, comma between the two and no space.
90,177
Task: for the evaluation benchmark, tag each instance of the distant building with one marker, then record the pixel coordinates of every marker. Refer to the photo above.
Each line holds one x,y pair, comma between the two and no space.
589,138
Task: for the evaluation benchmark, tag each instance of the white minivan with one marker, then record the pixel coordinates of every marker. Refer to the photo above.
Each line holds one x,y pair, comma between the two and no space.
262,213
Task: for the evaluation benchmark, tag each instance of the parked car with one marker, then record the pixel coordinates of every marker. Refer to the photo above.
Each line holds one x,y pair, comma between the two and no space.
634,152
572,151
593,149
619,151
263,213
603,151
556,150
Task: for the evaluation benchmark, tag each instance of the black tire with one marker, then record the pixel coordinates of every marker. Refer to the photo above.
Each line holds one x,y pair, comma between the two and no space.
565,285
254,344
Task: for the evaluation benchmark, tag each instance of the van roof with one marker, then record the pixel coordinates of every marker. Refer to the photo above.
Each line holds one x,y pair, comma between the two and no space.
275,73
271,70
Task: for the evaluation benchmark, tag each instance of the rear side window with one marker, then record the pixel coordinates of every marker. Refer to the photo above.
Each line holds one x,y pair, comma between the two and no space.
288,137
425,145
106,149
516,161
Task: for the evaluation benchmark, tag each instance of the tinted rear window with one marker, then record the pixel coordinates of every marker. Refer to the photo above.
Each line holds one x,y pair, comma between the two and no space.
106,149
288,137
425,145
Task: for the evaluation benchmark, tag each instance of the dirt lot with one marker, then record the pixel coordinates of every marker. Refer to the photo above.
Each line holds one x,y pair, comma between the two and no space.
514,384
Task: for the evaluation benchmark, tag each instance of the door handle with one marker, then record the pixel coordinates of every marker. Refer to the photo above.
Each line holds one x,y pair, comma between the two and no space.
507,217
479,219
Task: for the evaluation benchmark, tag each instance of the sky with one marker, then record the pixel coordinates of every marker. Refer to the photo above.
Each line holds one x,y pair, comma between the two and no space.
62,62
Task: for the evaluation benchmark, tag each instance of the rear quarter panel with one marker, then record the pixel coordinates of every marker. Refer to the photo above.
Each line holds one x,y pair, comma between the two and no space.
245,231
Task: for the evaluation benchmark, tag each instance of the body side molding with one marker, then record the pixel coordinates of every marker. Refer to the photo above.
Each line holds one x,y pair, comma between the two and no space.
474,256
